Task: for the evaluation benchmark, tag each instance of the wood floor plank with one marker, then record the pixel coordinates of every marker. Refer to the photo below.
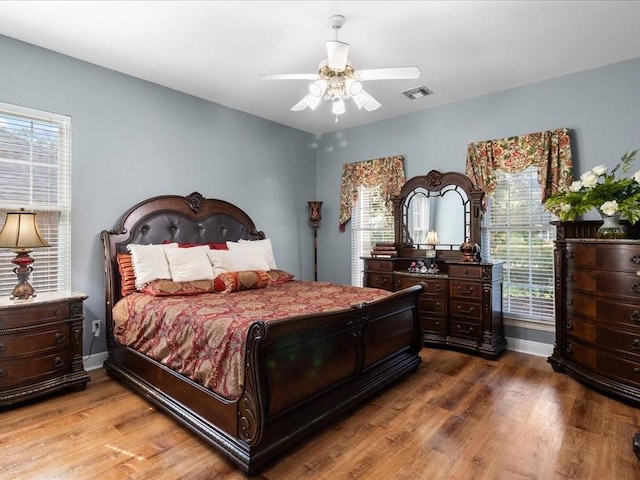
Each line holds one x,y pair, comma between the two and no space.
458,417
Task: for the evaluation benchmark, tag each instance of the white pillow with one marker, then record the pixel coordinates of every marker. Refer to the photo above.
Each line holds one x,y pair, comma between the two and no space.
189,264
234,261
150,263
263,246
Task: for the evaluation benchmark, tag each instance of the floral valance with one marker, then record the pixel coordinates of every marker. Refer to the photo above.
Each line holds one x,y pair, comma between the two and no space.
549,152
387,173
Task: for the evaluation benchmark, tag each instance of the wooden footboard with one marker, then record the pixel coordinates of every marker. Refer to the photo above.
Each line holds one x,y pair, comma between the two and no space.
301,374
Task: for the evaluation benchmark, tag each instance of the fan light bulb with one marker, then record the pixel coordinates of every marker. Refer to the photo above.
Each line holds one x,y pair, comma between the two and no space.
338,107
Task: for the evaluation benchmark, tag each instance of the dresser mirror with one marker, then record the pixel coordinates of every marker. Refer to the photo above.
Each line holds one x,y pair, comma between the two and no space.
437,211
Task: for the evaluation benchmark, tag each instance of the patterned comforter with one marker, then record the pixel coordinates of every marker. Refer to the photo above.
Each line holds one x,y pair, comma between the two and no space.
203,336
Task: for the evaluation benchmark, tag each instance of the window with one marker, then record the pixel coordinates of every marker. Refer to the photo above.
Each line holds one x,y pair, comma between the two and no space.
371,223
516,231
35,174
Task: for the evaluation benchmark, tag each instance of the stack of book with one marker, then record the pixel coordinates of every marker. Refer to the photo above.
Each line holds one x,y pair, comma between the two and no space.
384,249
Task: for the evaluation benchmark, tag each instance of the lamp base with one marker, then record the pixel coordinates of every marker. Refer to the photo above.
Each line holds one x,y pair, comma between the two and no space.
23,290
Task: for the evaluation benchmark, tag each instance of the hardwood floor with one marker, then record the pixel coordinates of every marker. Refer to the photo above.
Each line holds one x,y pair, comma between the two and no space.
458,417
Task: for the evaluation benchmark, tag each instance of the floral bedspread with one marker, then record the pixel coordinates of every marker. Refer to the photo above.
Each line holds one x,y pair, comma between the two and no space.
203,336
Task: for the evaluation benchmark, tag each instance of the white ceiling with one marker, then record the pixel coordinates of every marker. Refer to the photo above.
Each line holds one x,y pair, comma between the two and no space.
217,49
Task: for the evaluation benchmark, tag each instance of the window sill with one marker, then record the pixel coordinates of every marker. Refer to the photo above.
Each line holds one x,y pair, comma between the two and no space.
530,324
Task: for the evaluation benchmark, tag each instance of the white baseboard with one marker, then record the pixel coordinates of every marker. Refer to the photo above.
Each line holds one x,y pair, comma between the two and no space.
94,361
527,346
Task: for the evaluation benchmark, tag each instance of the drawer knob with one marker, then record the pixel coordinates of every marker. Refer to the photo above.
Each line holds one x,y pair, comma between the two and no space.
570,277
438,288
3,374
437,307
398,283
636,259
636,344
436,323
58,362
569,325
570,301
59,337
636,369
569,349
635,288
635,316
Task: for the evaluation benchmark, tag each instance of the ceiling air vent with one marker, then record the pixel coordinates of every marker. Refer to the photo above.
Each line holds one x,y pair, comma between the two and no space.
417,92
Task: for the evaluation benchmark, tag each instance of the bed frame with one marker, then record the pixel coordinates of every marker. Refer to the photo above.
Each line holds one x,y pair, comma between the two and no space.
363,349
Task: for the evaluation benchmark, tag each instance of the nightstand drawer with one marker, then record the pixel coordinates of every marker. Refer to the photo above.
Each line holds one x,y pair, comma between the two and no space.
471,290
28,371
32,315
432,306
466,271
434,325
36,341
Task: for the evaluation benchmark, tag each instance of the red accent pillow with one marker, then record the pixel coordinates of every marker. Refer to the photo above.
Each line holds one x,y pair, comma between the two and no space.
127,275
228,282
163,288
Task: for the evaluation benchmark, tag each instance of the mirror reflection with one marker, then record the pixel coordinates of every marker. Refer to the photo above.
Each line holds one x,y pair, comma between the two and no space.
436,217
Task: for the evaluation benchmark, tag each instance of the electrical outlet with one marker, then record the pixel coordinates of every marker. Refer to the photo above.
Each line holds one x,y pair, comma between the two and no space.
95,328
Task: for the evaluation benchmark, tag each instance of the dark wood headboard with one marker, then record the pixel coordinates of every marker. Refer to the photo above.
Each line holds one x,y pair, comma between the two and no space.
172,218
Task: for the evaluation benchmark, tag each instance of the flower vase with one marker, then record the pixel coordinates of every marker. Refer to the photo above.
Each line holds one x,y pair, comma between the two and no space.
611,228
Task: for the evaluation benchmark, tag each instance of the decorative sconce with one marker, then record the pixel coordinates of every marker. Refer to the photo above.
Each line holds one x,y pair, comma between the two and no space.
315,215
21,234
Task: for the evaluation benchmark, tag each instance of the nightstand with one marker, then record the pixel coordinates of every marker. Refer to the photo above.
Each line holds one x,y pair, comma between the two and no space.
41,346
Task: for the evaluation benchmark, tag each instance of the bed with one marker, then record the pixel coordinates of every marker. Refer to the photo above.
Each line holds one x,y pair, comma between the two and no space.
297,372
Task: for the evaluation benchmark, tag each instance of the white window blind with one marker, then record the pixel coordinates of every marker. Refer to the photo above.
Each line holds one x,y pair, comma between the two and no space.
35,174
516,231
371,222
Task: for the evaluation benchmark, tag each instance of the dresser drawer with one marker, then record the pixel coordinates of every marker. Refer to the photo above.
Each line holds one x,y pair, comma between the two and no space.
466,271
434,286
379,280
465,329
471,290
22,317
603,310
578,353
627,342
432,306
37,369
378,265
613,257
580,329
624,370
624,285
469,310
434,325
36,341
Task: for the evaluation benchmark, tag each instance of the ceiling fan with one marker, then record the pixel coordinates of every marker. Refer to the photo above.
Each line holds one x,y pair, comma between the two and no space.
337,80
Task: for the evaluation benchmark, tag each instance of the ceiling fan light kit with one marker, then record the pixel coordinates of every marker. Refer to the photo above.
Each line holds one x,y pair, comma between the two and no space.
337,80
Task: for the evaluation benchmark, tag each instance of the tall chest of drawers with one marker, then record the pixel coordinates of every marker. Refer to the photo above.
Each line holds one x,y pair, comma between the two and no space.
598,314
40,346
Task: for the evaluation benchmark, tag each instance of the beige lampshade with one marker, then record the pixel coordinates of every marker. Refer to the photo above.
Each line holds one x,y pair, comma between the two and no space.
432,238
21,231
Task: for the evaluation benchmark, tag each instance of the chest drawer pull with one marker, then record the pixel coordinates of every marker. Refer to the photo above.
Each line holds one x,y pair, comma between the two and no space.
570,277
635,288
467,291
635,316
636,344
569,325
3,348
570,301
636,259
468,311
398,283
3,374
58,362
59,337
381,281
569,349
637,370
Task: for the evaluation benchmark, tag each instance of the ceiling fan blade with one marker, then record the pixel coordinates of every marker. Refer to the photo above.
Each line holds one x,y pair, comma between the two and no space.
337,55
363,99
394,73
290,76
311,101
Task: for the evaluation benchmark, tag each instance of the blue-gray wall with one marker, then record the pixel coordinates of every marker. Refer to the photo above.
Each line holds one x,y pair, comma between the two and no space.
601,108
133,139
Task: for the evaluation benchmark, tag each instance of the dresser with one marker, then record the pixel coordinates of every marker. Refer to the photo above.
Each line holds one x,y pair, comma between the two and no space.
40,346
461,307
598,314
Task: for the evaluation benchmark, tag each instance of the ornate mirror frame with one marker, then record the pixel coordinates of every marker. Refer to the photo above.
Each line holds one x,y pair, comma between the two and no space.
438,182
